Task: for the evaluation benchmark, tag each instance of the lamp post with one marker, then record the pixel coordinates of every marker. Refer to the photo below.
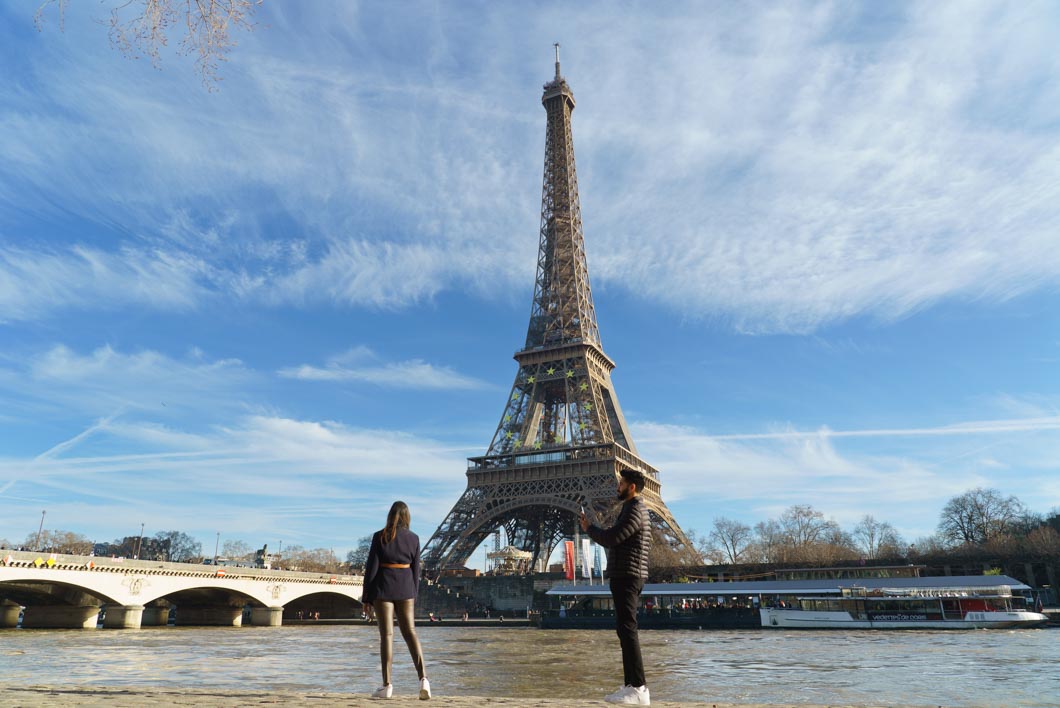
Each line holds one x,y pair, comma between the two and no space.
140,541
40,528
215,545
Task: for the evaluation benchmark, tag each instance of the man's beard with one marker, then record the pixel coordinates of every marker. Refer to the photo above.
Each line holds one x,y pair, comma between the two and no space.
623,496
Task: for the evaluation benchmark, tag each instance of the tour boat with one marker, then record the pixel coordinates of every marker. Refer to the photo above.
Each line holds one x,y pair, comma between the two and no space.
993,607
889,597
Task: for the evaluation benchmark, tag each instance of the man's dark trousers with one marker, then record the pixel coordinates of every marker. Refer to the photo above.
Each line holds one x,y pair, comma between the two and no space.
626,594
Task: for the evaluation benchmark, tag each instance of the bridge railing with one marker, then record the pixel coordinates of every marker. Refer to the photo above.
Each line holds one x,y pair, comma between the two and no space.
65,561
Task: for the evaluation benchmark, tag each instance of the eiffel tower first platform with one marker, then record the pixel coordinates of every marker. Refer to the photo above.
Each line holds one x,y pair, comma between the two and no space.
562,438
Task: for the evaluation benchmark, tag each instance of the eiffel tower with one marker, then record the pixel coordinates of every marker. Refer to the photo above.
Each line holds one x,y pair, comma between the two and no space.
562,437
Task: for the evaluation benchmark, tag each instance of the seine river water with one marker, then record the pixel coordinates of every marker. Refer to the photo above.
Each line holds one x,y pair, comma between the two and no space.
956,668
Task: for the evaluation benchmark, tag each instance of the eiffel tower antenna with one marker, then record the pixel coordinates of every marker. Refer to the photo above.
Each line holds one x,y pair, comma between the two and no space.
562,438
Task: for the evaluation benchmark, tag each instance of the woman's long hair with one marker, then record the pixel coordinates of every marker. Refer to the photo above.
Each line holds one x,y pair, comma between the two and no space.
398,518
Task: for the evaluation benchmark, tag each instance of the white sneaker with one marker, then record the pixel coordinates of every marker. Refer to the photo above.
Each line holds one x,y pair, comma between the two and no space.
631,696
384,691
425,689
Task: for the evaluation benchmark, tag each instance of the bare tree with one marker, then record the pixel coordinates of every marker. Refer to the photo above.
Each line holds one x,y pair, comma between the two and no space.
1043,541
877,539
979,515
802,525
61,542
801,535
181,547
929,546
316,560
1027,522
236,549
140,28
733,537
1052,519
358,557
833,544
770,541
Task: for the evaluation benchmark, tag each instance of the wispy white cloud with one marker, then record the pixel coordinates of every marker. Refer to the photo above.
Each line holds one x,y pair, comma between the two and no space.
106,380
854,175
870,165
361,365
33,282
970,428
768,471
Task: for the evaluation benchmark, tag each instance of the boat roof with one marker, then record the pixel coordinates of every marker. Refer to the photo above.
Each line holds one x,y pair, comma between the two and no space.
795,587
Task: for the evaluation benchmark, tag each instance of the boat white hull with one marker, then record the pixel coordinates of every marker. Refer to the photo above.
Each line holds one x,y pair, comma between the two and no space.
810,619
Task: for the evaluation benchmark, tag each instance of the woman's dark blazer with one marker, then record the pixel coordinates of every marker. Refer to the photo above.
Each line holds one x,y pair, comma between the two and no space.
392,583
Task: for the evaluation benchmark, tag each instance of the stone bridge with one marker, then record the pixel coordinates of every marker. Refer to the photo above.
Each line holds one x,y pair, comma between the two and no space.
67,591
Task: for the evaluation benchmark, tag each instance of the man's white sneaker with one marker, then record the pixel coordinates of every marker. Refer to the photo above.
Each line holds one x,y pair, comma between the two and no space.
384,691
631,696
425,689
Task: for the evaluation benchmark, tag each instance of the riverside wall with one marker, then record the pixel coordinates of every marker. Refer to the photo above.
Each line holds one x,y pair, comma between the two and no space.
510,594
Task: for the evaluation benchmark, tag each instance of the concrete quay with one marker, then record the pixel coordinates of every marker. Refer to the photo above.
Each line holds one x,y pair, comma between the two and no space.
115,697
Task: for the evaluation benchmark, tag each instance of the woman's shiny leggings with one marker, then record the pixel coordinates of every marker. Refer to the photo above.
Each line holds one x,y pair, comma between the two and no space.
384,614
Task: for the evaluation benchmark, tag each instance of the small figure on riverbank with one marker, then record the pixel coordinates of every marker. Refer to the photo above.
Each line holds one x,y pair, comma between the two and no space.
391,579
628,543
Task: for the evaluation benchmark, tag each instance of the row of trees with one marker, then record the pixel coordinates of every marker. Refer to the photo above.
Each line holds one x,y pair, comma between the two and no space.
53,542
979,519
312,560
801,534
174,546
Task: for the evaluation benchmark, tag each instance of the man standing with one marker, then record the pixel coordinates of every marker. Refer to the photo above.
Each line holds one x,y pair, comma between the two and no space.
628,543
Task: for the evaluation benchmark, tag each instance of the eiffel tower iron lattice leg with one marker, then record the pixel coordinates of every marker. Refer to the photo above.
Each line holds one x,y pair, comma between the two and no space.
562,437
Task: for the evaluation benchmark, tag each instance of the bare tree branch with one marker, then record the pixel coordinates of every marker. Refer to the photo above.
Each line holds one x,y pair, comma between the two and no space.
140,28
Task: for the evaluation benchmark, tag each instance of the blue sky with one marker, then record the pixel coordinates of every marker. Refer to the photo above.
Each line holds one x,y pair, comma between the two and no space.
823,238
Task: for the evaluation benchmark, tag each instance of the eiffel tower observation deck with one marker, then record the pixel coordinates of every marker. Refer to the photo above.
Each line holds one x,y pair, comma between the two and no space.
562,437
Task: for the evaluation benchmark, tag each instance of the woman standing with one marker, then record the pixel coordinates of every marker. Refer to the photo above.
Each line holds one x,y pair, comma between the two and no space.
391,579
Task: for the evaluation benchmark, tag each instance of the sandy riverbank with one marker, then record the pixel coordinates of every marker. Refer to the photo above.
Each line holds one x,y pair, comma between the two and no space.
40,696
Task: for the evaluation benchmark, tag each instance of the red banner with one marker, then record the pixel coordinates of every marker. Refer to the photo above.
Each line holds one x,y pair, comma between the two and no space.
568,559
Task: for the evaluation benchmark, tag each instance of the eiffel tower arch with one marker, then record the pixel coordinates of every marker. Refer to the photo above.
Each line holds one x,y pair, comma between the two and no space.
562,438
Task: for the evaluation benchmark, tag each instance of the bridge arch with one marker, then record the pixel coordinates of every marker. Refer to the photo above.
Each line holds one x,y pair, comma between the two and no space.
36,590
327,604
